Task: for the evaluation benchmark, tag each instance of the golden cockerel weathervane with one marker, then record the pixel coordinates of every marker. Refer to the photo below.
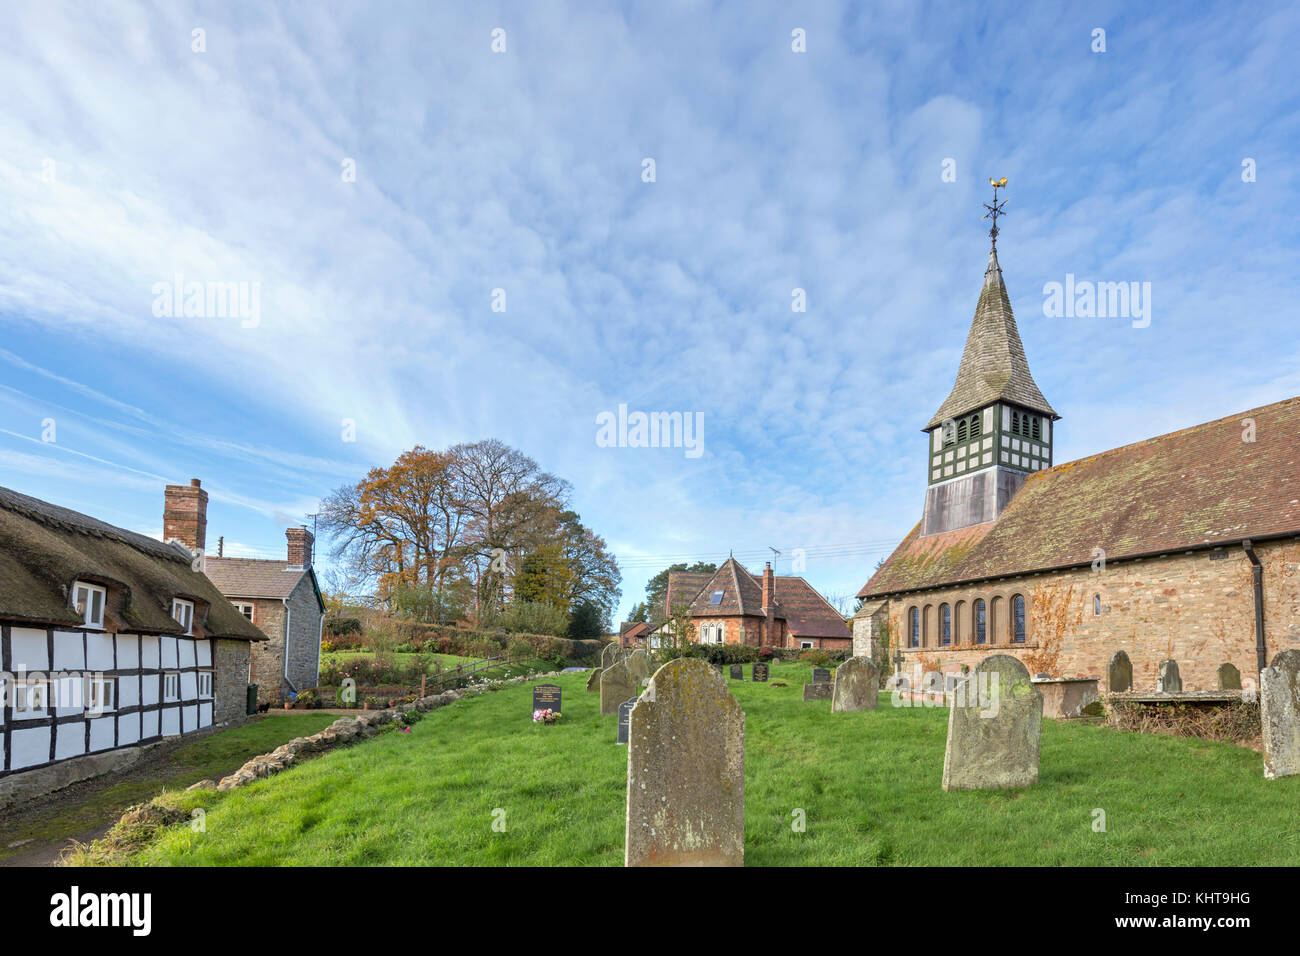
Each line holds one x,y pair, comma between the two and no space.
996,209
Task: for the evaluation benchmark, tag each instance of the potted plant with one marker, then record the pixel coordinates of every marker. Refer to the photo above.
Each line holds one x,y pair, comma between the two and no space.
368,703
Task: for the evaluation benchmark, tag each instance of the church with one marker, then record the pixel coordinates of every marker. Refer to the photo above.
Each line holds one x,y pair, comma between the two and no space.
1184,546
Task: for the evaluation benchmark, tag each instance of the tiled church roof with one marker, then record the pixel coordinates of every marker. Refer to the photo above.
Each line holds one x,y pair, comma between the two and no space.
993,364
1201,486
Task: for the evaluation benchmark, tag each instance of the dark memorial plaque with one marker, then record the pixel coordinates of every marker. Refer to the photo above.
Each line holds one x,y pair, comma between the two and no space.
546,697
760,673
625,718
821,675
737,672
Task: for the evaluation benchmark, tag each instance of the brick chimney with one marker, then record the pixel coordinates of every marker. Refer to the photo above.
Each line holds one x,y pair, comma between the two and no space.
185,515
300,544
769,607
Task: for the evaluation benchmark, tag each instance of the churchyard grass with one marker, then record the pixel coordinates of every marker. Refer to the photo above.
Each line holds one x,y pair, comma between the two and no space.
867,783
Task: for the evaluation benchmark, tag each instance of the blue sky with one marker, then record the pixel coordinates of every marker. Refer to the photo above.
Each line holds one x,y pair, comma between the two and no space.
126,158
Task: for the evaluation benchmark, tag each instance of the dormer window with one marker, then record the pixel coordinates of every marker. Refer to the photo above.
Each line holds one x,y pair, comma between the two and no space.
183,613
88,601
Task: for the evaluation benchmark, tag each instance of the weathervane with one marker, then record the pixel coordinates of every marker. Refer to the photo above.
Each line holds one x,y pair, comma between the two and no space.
996,209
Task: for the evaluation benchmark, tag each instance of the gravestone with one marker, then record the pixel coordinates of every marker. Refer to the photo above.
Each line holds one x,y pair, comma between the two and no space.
994,728
1229,677
546,697
1279,715
759,673
817,691
737,672
1168,681
932,682
612,653
856,686
593,682
821,675
616,686
1119,673
639,663
625,717
686,771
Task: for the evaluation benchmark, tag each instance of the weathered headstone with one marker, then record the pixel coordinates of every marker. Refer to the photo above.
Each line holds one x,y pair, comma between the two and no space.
546,697
613,652
759,673
1279,715
593,682
817,691
1119,673
616,686
856,686
821,675
1168,681
686,771
994,728
1229,677
624,717
737,672
932,682
639,663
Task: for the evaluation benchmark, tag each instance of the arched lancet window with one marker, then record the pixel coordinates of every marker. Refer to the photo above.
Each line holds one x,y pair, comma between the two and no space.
961,430
945,625
975,426
1018,619
1038,428
960,628
927,625
981,629
1015,423
997,610
1096,604
949,432
914,628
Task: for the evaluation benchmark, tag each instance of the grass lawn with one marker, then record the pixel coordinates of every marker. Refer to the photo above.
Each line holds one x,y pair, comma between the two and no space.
868,783
403,660
88,806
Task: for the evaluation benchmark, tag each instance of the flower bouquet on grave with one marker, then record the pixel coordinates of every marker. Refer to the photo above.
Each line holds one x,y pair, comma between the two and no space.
545,716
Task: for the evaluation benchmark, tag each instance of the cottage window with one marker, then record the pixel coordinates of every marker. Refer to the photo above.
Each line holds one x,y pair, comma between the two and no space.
945,625
32,698
805,645
171,686
914,628
1018,616
981,630
244,608
205,683
183,613
88,600
101,694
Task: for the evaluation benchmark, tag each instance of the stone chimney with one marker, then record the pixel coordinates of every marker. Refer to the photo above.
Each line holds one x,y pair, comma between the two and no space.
300,544
769,588
185,515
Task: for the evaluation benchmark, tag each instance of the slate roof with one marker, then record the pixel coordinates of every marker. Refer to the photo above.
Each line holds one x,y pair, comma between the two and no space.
256,577
44,548
1198,487
805,612
993,364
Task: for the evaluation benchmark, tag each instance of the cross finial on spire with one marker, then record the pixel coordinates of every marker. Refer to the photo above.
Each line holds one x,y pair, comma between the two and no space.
996,209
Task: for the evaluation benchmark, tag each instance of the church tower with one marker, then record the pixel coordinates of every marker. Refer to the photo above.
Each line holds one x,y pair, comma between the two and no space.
995,427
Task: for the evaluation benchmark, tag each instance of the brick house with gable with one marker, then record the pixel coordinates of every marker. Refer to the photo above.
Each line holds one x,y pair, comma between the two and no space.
1183,546
733,606
281,598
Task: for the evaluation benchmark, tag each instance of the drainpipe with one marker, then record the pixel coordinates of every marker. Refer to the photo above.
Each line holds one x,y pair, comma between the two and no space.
1257,575
288,632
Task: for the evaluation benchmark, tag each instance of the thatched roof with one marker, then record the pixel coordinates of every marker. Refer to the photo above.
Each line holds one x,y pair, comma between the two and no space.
45,548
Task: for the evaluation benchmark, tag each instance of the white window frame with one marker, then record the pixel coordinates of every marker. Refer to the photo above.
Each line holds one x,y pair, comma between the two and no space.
188,608
104,688
205,683
168,678
23,689
806,646
88,617
241,605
